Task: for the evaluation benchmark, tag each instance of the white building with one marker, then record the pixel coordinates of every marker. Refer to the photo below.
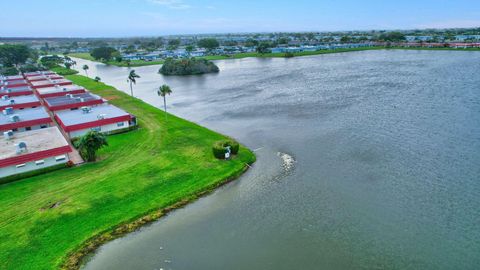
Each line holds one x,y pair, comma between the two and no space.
33,150
104,118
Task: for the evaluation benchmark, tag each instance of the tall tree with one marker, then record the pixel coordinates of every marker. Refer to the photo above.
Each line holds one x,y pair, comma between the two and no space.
132,76
13,55
103,53
163,91
208,43
90,143
85,68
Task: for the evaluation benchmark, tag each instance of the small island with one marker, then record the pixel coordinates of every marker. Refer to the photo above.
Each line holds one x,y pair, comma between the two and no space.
190,66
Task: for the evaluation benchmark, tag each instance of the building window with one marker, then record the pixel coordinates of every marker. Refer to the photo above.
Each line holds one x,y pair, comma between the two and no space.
120,124
28,128
39,162
44,126
15,129
21,165
60,158
98,129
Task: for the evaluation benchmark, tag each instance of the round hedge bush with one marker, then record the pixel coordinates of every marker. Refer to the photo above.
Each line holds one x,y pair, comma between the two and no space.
218,148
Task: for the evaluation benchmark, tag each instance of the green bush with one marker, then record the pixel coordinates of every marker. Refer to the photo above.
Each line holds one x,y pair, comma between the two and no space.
219,148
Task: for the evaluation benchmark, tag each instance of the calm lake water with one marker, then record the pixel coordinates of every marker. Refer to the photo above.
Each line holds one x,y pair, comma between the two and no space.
386,173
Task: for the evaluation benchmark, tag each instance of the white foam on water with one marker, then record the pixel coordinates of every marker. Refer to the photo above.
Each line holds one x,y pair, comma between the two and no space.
288,162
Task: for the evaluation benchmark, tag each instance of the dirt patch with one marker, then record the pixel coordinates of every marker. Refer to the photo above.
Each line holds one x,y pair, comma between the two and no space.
111,97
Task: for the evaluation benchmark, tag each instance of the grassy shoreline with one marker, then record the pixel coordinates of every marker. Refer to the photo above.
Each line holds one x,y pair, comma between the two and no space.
139,63
141,175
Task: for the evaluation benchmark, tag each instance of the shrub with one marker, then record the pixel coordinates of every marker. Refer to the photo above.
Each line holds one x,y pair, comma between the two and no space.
289,54
219,148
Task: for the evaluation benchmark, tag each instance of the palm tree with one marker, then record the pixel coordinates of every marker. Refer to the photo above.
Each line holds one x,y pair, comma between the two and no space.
90,143
131,79
163,91
85,68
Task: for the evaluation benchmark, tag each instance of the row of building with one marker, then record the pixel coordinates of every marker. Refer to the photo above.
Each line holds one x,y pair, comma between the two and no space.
41,112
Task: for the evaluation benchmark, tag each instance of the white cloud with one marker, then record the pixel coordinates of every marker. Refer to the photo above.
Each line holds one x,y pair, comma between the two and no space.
173,4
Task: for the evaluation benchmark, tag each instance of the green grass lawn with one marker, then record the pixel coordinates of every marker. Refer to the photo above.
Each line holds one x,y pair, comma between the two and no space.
153,167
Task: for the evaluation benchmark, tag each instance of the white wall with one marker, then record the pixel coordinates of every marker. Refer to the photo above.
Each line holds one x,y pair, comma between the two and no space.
31,166
33,128
105,128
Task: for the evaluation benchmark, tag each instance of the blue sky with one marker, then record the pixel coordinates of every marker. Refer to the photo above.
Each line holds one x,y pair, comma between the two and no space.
119,18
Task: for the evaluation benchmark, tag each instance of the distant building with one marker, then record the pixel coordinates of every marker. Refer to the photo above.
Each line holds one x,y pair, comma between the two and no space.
19,102
24,120
104,118
33,150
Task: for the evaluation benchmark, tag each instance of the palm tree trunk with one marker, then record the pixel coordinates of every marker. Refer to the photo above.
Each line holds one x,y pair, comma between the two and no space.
131,89
165,106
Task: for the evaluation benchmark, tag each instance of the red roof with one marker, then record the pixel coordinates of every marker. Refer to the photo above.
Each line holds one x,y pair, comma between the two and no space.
74,105
28,123
96,123
20,159
61,93
41,78
51,84
14,94
22,105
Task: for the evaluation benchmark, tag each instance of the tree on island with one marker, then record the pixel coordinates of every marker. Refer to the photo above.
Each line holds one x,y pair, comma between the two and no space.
190,66
163,91
90,143
132,76
208,43
85,68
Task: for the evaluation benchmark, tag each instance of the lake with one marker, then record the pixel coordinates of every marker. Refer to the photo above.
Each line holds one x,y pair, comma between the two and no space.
366,160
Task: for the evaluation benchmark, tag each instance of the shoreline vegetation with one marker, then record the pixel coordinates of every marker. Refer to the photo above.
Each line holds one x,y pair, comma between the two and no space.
191,66
139,63
52,221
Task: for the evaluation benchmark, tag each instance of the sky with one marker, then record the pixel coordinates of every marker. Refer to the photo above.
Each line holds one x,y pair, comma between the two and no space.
126,18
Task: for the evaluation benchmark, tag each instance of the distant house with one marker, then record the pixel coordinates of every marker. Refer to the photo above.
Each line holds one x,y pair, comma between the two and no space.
57,90
19,102
33,150
24,120
72,101
104,118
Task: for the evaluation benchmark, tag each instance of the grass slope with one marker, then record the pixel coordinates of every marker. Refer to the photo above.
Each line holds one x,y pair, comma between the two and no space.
155,166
